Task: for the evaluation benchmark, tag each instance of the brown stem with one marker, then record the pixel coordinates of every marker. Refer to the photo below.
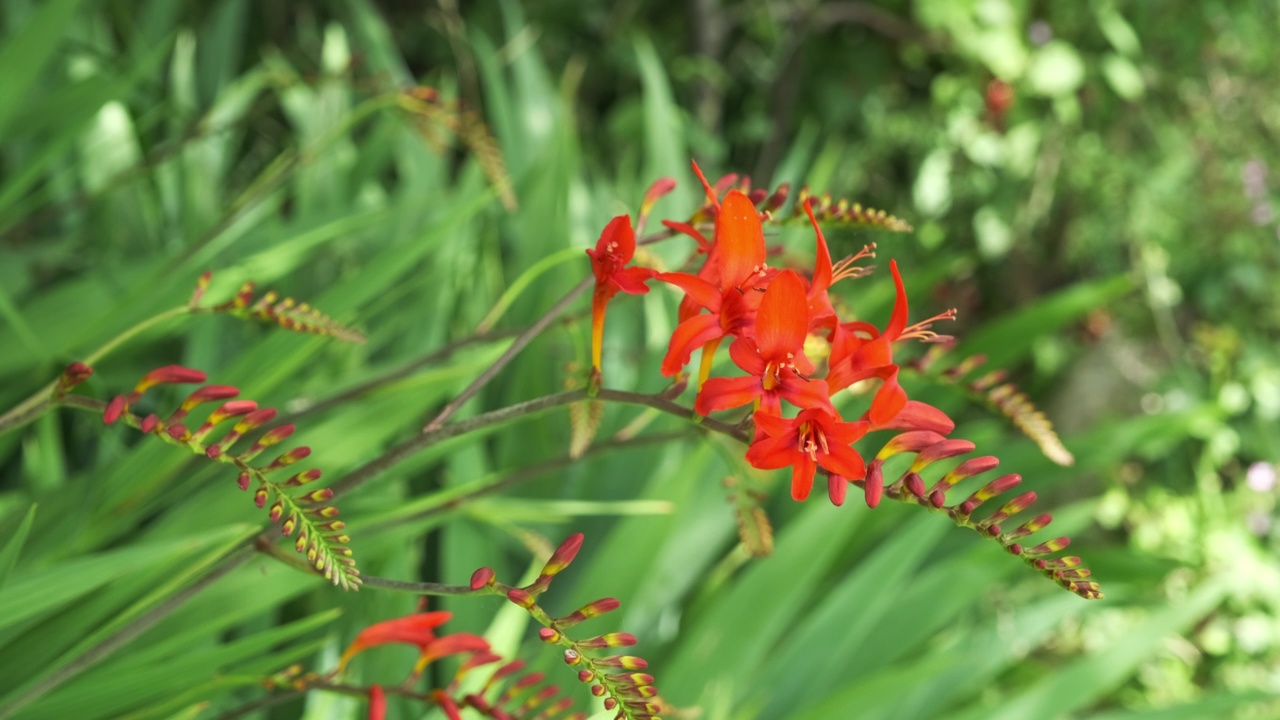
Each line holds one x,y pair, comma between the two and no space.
407,448
391,376
521,342
530,472
422,588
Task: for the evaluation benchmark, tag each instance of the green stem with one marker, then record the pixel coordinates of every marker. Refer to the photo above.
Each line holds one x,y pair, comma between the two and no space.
456,498
132,332
40,401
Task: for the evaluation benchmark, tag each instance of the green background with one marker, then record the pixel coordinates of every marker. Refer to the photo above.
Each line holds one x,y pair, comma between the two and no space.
1110,238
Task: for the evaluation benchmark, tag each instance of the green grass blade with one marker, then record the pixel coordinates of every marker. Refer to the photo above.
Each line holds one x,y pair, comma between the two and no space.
1088,679
13,546
24,56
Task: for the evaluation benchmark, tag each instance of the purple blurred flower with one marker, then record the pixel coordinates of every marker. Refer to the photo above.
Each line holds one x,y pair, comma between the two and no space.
1261,477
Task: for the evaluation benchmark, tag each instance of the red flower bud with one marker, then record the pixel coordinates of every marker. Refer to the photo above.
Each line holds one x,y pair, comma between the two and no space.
563,555
115,408
874,483
481,578
73,375
521,598
169,375
609,640
630,662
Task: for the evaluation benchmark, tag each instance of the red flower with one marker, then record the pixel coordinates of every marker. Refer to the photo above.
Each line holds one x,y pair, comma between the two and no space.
613,251
859,352
774,358
825,274
855,357
417,630
737,256
377,703
815,437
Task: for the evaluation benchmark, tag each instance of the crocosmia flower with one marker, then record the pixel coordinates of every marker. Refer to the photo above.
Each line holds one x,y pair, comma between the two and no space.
859,351
738,255
609,260
419,630
814,438
822,316
774,359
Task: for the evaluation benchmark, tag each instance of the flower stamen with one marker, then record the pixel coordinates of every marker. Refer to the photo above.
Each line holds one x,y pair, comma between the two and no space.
845,268
921,331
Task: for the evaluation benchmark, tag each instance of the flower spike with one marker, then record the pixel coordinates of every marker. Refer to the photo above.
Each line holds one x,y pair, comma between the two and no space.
286,313
612,678
302,515
929,448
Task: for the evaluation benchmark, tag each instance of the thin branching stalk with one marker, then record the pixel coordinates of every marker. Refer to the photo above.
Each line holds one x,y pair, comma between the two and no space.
519,344
408,448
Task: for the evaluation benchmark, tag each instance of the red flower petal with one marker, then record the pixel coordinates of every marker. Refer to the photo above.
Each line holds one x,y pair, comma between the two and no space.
704,245
805,393
725,393
916,415
454,644
618,239
632,280
689,336
844,460
822,257
772,453
702,292
773,425
898,320
802,478
746,355
739,239
783,319
889,400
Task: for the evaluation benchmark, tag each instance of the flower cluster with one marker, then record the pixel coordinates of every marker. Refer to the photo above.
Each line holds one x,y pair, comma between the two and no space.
770,316
506,694
615,678
285,312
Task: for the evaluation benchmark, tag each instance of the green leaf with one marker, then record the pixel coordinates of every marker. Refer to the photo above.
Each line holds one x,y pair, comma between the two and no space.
665,154
841,619
24,56
768,596
111,690
13,546
1008,339
63,582
1089,678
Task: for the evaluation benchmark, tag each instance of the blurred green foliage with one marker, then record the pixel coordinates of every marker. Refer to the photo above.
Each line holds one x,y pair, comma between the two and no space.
1093,185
